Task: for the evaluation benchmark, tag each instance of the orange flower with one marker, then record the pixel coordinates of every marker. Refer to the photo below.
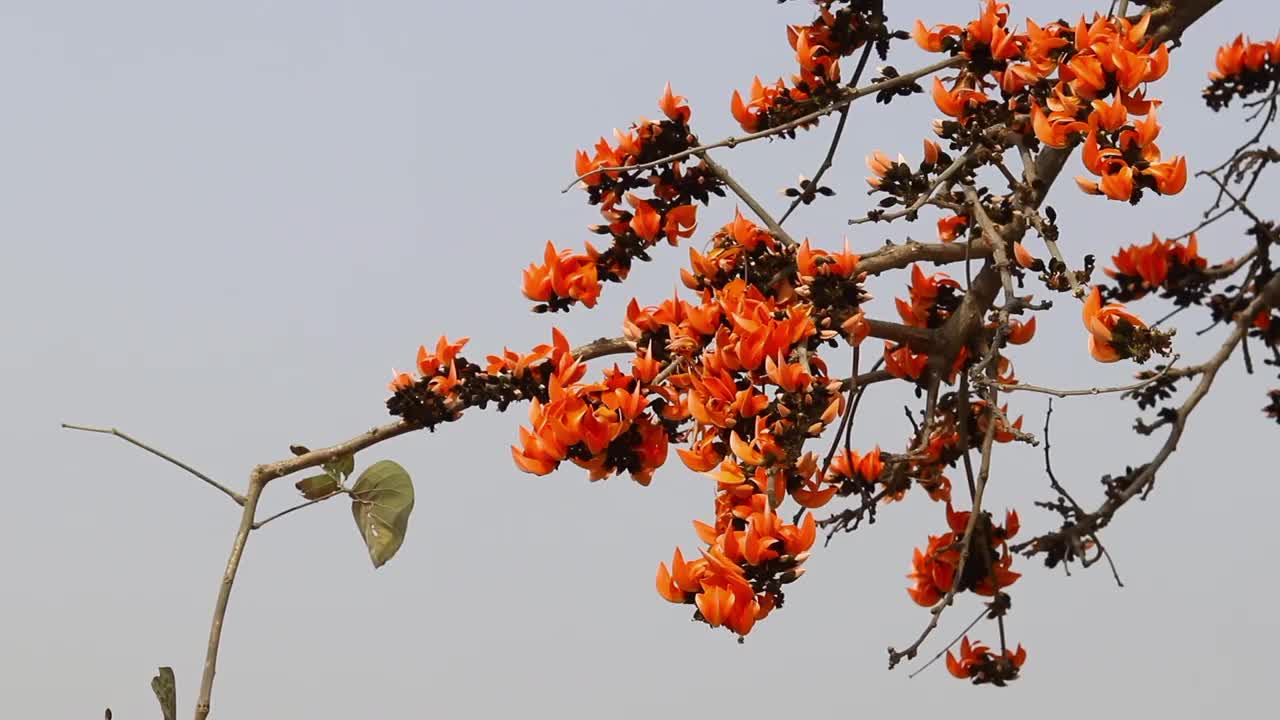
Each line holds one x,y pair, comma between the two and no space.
1055,130
674,106
880,164
956,102
563,276
949,227
1021,333
1104,324
679,584
931,151
811,263
1240,55
930,39
400,381
903,363
976,662
1023,256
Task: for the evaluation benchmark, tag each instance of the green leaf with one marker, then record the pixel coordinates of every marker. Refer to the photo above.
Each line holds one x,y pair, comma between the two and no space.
341,468
166,690
381,501
317,486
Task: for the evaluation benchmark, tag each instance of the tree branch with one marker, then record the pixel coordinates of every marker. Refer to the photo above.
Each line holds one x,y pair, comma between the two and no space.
1144,477
237,497
774,228
256,484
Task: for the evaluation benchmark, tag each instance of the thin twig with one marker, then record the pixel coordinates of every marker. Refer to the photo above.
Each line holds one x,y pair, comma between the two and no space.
774,228
1008,387
237,497
259,523
925,197
896,656
948,646
835,137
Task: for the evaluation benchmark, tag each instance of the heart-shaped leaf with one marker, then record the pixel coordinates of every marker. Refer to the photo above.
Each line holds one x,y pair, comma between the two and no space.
381,501
317,486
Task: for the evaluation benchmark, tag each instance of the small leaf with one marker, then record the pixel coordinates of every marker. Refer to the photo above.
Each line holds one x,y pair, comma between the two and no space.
381,501
166,690
342,467
317,486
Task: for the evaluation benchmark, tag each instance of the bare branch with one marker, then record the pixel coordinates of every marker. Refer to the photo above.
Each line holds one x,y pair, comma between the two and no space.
259,523
774,228
1142,479
1166,370
237,497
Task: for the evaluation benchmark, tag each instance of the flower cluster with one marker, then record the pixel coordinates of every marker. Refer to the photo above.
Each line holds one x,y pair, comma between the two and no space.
751,553
849,473
944,443
818,46
1116,334
979,664
1160,265
1243,68
605,428
903,186
755,395
1072,82
936,569
633,223
731,373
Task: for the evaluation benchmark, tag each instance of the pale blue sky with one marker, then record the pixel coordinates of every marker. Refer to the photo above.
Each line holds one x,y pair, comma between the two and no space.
224,223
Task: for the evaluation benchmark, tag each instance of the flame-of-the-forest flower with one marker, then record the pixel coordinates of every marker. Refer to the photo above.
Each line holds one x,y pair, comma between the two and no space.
1021,333
604,427
1134,161
976,662
957,101
674,106
850,465
931,38
811,262
903,362
1241,55
934,569
1143,268
1023,256
880,164
1078,81
949,227
1110,327
932,299
755,114
748,547
563,275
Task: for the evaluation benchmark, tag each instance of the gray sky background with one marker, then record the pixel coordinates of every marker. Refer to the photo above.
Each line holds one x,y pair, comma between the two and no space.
224,223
